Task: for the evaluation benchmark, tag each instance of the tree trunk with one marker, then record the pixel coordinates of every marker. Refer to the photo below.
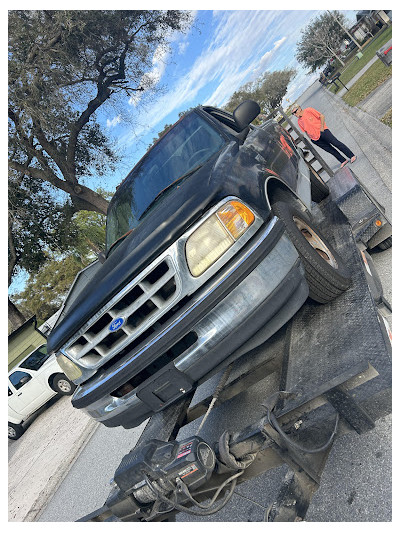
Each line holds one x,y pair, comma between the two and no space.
15,317
333,53
84,198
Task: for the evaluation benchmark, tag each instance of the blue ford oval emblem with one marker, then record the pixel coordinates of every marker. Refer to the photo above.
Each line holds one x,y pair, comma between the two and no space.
116,323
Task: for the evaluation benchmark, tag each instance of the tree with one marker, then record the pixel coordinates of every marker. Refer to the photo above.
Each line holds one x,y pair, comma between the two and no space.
63,66
349,35
40,227
90,229
35,226
321,39
268,90
46,288
45,291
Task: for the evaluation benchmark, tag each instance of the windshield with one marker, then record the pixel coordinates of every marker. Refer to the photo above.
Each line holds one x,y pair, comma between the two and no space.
189,144
36,359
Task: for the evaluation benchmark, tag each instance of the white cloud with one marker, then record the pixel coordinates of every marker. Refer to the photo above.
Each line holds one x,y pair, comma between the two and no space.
266,58
182,47
153,76
112,123
242,45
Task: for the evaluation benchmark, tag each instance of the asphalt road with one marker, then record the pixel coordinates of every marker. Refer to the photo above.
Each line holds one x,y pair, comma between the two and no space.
356,484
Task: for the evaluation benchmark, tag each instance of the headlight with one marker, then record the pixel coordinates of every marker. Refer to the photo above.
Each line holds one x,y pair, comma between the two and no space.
216,235
71,370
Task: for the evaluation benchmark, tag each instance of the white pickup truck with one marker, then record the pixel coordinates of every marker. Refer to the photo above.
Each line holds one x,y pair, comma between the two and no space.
31,384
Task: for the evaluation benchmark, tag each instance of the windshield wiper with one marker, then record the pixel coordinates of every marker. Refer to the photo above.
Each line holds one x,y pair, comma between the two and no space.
169,187
118,241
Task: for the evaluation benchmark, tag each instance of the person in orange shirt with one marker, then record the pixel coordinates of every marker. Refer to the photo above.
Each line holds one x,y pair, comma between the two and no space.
313,123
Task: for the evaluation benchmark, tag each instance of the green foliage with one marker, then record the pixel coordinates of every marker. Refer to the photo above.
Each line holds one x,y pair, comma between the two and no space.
268,90
90,231
63,66
44,292
320,40
37,223
47,287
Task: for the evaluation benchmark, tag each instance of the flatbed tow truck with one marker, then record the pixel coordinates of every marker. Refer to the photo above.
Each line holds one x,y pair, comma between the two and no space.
327,372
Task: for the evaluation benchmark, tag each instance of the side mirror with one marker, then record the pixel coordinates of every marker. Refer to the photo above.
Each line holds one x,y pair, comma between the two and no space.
101,257
245,113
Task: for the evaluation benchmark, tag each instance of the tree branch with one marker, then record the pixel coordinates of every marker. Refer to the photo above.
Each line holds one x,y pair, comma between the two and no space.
41,174
12,253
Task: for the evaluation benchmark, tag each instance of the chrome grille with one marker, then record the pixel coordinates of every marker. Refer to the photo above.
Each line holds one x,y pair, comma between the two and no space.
140,305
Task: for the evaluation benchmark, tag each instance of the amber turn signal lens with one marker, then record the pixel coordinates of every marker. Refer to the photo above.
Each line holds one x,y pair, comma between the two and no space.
236,217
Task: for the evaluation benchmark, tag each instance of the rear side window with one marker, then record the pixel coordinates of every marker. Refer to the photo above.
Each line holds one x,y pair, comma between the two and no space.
18,379
36,359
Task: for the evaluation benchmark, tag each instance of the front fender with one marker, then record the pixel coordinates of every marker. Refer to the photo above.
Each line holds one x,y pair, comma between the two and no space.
14,417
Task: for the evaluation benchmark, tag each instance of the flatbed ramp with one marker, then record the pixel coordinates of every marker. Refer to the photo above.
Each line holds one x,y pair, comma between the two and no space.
327,372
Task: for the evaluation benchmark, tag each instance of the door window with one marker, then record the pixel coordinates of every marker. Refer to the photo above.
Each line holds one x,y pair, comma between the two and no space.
18,379
36,359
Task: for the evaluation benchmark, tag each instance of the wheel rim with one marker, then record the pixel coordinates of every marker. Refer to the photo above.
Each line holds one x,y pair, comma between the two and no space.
316,242
11,432
64,385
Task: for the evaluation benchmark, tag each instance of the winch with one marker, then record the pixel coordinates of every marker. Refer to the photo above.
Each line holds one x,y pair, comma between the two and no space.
157,467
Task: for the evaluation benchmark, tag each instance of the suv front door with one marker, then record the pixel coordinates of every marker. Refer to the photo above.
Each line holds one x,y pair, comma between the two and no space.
28,394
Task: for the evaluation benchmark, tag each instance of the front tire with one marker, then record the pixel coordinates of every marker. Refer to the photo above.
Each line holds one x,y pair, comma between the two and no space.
63,385
327,276
15,431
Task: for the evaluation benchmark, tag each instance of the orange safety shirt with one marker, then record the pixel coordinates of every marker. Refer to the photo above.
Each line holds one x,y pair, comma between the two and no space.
310,122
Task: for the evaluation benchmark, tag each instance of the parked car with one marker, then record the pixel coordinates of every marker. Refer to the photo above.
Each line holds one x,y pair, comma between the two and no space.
210,250
329,69
31,384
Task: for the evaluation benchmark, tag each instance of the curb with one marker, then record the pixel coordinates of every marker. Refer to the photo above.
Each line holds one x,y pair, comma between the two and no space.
60,474
43,456
379,131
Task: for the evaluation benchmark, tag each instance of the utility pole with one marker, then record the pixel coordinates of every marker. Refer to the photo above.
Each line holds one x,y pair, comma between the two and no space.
344,29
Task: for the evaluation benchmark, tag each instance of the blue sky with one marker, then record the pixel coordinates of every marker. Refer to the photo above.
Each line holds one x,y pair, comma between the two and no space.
224,50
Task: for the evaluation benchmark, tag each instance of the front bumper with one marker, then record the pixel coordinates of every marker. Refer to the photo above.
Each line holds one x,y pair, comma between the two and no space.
256,294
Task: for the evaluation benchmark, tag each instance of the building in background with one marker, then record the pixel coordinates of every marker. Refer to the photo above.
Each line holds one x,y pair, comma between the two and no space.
23,341
370,22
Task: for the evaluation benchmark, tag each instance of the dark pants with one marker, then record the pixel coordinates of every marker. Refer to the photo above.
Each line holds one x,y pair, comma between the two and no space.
327,141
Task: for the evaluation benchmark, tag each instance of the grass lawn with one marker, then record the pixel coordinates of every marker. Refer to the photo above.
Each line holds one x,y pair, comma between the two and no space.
373,77
368,52
387,118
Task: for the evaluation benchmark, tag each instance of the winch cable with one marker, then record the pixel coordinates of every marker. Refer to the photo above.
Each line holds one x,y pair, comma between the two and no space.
205,509
217,392
270,405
